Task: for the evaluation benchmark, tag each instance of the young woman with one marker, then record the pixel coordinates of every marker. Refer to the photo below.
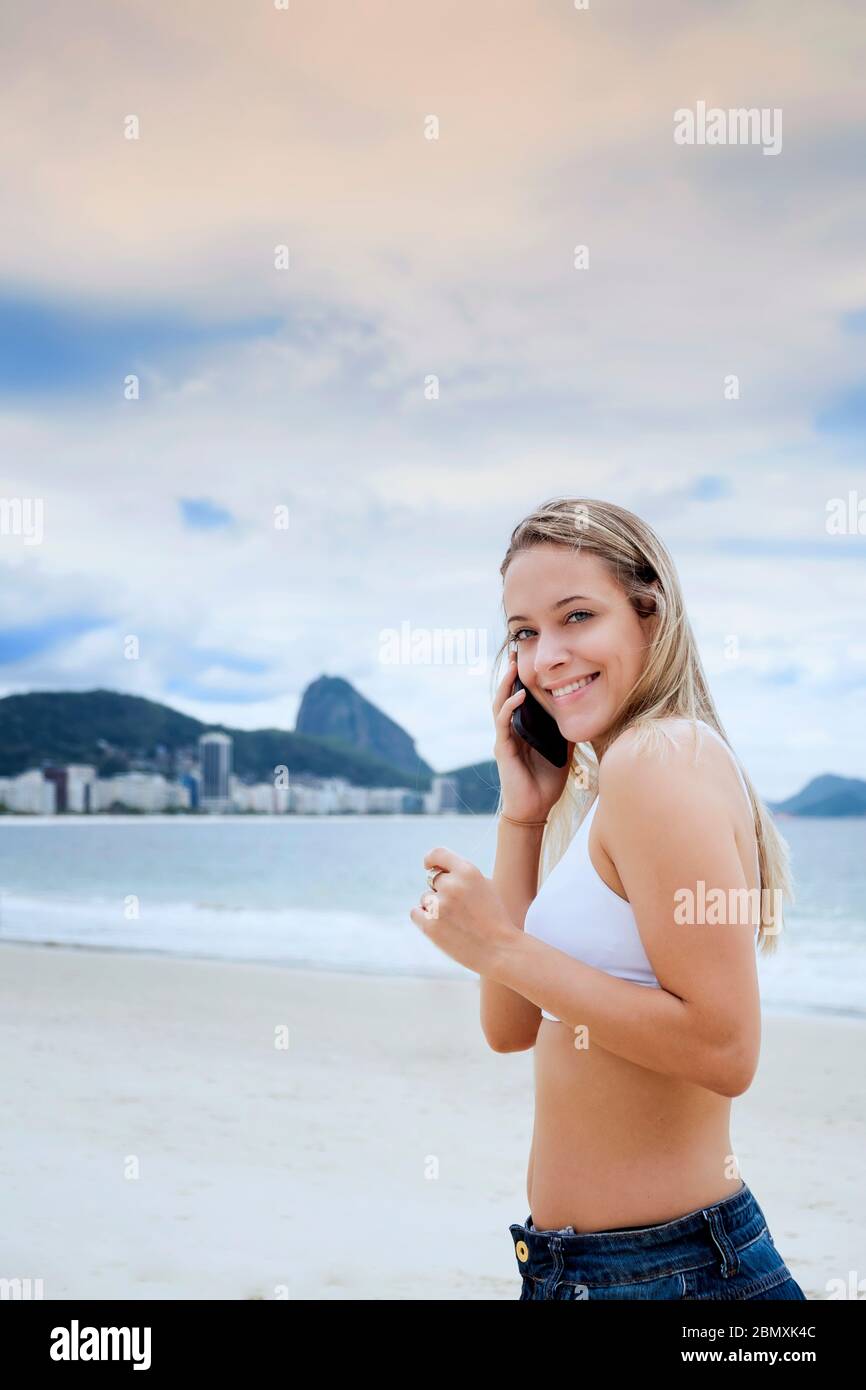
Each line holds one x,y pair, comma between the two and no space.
631,970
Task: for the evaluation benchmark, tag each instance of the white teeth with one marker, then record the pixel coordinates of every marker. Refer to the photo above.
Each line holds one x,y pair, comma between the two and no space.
575,685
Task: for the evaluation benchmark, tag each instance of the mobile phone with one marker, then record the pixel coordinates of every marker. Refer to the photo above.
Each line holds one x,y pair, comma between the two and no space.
538,728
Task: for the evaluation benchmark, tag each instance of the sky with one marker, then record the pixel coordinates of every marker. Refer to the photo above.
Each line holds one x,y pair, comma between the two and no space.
294,332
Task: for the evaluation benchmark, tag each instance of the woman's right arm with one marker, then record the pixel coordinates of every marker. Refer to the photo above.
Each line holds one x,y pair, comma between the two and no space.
509,1022
530,786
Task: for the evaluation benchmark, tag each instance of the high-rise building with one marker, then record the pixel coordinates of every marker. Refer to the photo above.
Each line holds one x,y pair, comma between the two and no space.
215,761
74,786
443,795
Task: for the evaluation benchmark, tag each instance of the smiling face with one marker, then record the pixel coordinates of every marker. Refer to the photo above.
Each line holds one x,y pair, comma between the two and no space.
596,633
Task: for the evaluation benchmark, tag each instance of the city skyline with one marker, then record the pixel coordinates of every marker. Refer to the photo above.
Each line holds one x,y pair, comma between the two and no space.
208,785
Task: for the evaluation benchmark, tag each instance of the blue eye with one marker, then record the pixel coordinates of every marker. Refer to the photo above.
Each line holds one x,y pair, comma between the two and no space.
576,612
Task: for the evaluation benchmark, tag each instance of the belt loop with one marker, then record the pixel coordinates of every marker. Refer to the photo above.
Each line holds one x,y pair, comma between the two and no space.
730,1259
555,1246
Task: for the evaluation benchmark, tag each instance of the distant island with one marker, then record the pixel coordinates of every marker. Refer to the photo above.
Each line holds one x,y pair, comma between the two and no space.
344,754
827,795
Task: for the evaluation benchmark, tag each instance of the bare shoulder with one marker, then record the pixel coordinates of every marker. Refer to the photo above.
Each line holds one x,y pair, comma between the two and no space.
661,759
651,740
674,791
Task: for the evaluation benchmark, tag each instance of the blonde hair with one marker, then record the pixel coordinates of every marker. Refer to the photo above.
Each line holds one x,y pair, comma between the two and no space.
671,684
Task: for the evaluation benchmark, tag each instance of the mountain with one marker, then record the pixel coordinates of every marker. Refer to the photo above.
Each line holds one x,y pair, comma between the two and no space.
331,708
338,734
116,732
827,795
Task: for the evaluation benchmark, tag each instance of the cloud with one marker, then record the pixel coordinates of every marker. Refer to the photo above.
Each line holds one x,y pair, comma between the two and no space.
831,548
213,686
410,259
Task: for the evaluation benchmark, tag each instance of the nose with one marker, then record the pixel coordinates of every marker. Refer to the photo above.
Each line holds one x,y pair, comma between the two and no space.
551,652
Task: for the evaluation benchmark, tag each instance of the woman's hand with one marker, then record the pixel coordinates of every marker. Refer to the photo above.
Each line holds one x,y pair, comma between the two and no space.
464,915
531,785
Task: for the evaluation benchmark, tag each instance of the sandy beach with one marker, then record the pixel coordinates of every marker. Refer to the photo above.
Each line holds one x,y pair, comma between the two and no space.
158,1143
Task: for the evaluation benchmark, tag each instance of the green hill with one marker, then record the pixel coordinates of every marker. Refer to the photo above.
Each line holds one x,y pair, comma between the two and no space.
116,733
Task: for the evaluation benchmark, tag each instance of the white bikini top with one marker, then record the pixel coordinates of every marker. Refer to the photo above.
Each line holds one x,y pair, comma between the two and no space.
580,914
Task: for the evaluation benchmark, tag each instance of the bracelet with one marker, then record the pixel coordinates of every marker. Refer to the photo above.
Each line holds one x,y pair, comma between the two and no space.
502,816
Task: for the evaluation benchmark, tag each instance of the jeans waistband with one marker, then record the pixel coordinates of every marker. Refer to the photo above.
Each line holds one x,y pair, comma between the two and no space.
727,1225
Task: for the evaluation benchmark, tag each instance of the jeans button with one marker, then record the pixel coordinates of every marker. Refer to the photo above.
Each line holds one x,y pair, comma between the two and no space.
521,1250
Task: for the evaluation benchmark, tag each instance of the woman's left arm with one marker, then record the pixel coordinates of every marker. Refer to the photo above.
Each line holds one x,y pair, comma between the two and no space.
668,830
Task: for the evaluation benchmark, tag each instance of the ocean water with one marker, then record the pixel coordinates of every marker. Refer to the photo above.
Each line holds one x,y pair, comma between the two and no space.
334,892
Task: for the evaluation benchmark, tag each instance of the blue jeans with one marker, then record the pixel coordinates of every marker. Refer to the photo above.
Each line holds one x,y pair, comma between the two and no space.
718,1252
